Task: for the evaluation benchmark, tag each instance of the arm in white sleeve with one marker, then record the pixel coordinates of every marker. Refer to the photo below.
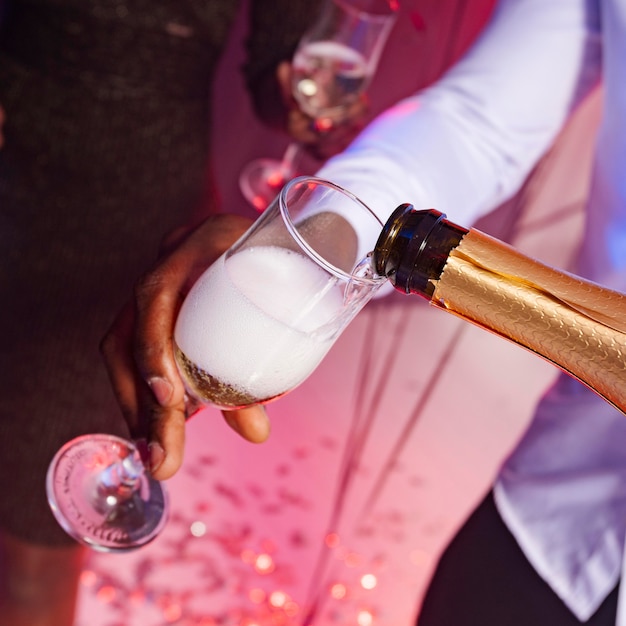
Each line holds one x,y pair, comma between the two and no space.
467,143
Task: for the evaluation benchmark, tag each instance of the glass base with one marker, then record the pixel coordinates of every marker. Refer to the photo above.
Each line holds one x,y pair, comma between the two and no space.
261,180
101,495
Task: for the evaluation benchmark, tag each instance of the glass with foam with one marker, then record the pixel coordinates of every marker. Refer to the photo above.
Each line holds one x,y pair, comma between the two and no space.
262,316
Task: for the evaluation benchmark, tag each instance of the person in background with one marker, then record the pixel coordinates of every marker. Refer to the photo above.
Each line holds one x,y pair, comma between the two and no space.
546,545
105,134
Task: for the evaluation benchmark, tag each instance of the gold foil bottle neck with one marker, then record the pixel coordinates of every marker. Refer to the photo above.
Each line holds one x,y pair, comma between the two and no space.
577,325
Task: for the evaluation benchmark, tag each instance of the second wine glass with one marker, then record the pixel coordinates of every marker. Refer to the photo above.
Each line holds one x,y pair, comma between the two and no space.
331,68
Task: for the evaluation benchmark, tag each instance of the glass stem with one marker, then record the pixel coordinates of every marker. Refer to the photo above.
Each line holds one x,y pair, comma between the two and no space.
288,162
122,477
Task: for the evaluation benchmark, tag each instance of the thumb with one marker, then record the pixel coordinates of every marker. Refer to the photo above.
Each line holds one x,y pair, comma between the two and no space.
251,423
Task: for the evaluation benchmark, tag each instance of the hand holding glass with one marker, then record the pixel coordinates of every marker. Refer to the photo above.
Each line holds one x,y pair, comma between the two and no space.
332,67
253,327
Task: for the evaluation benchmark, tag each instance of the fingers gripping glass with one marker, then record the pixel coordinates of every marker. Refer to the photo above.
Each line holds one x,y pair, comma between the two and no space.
254,326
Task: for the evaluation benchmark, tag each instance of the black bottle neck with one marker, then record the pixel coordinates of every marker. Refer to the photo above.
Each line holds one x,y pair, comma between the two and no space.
413,248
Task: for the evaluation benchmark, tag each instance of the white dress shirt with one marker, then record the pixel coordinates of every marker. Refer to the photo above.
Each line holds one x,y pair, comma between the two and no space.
465,145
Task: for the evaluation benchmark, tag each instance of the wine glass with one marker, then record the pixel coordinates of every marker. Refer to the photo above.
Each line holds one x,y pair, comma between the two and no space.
332,66
102,496
262,316
253,327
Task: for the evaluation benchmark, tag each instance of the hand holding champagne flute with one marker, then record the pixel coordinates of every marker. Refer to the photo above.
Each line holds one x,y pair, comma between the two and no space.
255,324
97,486
332,67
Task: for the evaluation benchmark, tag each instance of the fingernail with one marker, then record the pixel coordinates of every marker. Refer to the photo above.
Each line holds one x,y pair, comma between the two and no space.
157,455
162,389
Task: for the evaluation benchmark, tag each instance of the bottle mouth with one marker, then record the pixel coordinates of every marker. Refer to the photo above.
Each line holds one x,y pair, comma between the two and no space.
413,248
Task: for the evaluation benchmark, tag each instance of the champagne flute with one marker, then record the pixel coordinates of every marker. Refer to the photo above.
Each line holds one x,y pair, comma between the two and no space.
253,327
262,316
333,65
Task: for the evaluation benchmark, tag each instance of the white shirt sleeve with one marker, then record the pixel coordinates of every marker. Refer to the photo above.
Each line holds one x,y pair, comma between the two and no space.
467,143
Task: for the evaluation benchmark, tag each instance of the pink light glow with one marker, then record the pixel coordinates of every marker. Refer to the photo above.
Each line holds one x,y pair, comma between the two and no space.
88,578
276,180
259,204
338,591
106,594
368,581
364,618
278,598
323,124
264,564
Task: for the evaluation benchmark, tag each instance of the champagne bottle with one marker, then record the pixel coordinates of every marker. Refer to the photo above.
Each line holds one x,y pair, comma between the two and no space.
576,324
